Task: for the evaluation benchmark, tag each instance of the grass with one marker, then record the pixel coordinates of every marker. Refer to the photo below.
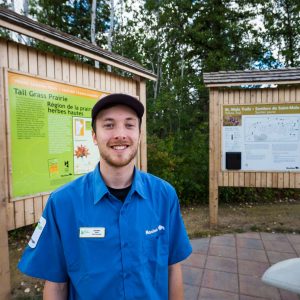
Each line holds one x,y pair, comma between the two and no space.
270,217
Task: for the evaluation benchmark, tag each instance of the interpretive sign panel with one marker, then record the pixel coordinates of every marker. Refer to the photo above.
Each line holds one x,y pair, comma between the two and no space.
50,133
264,137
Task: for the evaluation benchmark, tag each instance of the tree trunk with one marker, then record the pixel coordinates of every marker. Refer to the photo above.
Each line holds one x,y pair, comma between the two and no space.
159,60
25,7
111,29
182,63
25,13
93,27
158,73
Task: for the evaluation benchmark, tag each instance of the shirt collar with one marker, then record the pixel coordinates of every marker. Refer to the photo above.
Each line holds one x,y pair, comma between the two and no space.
137,183
99,186
100,189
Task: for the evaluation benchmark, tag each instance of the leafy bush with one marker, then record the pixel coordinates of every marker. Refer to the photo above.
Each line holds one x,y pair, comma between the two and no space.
182,160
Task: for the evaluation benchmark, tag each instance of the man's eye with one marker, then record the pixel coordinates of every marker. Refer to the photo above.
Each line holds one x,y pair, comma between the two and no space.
129,125
108,125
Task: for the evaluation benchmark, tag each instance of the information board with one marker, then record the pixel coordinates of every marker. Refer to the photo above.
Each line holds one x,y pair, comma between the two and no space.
264,137
50,133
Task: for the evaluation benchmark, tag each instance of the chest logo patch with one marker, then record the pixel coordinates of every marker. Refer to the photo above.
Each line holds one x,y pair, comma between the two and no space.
37,232
154,230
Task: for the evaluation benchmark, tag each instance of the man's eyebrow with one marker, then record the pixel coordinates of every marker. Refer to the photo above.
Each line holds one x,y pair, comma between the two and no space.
131,119
108,119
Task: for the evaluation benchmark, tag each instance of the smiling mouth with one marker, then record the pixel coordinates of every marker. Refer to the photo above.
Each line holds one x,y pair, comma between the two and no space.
121,147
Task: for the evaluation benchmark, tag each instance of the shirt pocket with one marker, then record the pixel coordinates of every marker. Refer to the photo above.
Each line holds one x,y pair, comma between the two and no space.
155,245
155,251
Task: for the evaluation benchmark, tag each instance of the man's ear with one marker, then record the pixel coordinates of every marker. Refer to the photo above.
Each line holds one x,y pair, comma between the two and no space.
94,137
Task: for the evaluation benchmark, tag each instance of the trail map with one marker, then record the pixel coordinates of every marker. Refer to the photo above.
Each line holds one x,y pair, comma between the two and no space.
266,136
272,129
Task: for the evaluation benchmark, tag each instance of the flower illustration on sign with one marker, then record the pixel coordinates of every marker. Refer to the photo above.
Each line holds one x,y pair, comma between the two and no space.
81,151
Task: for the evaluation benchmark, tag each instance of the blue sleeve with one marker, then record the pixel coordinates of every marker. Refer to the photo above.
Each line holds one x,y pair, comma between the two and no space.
179,244
44,256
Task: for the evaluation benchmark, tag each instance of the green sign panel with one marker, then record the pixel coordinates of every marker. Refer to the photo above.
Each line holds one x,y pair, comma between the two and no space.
50,133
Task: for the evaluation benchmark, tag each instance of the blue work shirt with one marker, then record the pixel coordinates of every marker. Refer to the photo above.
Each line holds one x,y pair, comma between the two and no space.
106,249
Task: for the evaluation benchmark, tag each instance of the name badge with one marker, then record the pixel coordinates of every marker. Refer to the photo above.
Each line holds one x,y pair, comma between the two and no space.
37,232
92,232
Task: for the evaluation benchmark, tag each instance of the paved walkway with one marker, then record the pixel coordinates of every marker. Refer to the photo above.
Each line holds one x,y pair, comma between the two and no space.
229,267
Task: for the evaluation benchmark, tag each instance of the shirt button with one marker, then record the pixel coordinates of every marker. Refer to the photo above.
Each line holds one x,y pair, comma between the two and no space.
126,275
124,244
124,210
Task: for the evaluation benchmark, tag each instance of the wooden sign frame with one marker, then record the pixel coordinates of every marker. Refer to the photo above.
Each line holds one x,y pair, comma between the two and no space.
251,88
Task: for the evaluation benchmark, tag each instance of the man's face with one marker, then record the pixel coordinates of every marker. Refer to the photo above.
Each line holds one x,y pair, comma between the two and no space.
117,135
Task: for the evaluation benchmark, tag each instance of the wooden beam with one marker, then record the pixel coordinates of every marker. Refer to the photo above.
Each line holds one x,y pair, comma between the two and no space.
228,84
252,77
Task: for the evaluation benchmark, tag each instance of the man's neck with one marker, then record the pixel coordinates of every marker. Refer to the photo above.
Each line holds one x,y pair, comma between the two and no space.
117,177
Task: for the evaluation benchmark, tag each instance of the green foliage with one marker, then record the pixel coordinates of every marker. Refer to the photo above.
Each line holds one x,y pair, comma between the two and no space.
72,17
281,20
5,4
222,35
162,159
179,40
182,160
4,32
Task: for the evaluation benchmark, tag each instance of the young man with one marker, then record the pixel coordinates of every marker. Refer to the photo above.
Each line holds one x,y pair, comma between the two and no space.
115,233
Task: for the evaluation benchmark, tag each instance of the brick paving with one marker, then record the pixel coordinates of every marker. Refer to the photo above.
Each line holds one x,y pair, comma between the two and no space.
230,266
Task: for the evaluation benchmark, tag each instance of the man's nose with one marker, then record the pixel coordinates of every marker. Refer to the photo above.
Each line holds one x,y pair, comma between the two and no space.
119,137
120,133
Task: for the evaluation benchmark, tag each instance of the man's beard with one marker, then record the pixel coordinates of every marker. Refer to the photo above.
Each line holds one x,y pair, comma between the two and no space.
117,163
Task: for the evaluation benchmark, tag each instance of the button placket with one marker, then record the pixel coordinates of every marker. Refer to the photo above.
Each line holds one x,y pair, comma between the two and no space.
123,227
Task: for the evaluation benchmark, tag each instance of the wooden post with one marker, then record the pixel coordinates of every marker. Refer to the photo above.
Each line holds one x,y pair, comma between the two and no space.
4,253
141,92
213,157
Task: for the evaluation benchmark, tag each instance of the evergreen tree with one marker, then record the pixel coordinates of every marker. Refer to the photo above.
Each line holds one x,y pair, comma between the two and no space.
282,30
223,36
